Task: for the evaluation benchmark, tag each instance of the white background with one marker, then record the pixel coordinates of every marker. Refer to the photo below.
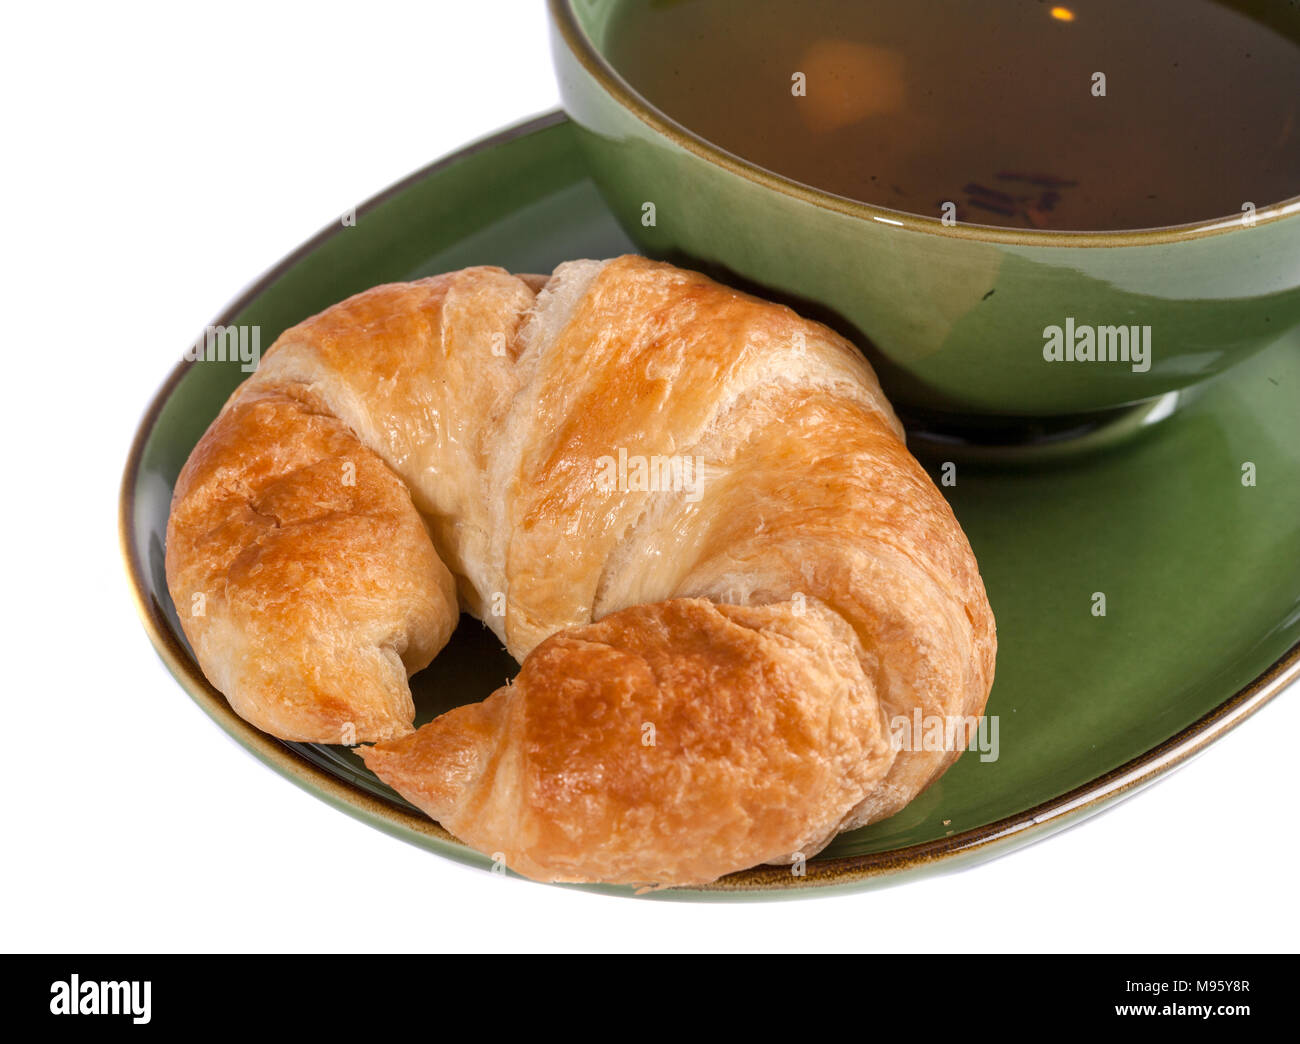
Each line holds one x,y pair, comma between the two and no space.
159,158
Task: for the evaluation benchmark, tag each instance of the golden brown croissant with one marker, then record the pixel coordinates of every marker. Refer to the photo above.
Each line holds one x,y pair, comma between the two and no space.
689,513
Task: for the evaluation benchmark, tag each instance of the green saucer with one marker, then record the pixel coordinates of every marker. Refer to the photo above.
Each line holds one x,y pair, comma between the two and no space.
1200,571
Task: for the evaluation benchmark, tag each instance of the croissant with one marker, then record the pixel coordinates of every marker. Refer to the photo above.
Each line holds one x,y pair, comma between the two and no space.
687,512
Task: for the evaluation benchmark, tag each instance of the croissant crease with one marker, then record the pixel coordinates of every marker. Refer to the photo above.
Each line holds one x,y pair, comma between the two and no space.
687,512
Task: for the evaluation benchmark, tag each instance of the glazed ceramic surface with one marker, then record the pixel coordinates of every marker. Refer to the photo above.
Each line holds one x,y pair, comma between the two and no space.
1200,572
953,317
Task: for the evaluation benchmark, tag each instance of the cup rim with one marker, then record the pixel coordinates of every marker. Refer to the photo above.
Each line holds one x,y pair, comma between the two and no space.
598,67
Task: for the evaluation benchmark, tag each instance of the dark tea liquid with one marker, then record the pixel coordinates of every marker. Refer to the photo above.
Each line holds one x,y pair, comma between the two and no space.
994,106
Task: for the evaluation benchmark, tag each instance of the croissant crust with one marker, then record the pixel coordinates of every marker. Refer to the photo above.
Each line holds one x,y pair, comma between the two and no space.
689,513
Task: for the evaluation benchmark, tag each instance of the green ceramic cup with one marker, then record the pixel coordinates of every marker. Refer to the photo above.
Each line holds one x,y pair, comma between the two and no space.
953,317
